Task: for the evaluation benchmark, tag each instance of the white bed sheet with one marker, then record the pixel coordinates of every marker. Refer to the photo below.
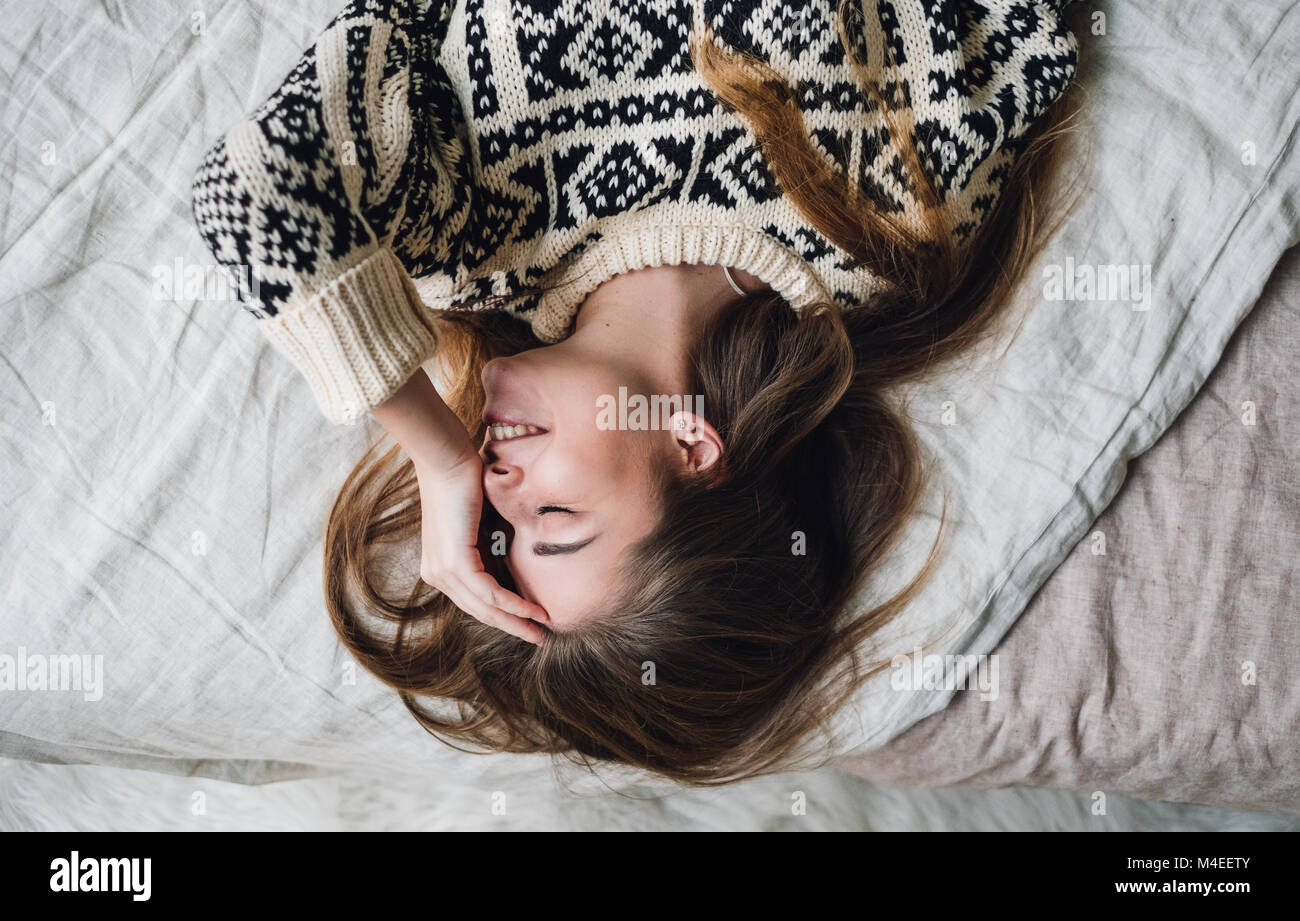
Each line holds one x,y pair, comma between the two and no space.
166,476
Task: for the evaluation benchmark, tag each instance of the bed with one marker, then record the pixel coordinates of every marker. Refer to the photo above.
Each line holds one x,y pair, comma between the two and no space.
166,476
1157,660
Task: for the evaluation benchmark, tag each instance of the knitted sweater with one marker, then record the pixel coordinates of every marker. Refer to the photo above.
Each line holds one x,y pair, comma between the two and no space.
428,152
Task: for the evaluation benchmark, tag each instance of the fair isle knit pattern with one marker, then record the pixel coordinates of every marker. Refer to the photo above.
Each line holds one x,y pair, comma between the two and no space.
425,153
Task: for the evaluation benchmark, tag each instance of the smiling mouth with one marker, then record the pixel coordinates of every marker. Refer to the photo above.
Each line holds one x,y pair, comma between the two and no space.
498,431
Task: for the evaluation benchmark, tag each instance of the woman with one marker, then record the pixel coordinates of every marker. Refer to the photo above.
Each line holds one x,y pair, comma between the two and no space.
759,215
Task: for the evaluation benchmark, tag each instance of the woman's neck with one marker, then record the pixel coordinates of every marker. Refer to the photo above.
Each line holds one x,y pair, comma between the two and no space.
652,317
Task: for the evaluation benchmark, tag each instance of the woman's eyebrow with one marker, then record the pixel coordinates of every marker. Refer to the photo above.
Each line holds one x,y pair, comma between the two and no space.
557,549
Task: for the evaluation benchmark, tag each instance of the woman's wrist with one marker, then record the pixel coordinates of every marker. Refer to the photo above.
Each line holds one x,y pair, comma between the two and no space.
426,428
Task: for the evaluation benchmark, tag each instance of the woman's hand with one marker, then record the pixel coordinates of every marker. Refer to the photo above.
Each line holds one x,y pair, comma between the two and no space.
449,473
451,503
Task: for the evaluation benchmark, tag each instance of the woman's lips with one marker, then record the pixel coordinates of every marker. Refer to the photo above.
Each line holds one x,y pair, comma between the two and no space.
506,426
509,431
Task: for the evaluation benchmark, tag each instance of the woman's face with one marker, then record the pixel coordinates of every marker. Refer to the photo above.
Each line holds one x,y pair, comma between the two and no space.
575,494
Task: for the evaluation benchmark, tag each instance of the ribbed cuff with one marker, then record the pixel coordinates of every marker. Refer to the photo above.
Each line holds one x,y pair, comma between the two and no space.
358,339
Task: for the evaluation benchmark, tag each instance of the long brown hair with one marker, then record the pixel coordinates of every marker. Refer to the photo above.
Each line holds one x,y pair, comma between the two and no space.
727,646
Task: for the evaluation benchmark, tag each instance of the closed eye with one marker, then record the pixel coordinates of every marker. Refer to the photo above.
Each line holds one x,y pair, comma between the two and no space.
558,549
546,549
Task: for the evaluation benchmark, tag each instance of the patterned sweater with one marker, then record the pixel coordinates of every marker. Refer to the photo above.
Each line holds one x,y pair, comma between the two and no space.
427,152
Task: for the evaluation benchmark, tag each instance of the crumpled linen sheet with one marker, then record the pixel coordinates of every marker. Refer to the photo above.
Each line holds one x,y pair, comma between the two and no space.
166,477
1158,660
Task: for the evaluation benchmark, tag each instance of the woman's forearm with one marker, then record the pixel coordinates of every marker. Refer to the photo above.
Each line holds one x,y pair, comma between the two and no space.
426,428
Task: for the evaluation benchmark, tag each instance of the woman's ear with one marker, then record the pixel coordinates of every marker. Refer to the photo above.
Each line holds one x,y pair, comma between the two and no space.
698,442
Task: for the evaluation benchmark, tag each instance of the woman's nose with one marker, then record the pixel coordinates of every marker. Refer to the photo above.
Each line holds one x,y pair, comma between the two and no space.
501,484
499,475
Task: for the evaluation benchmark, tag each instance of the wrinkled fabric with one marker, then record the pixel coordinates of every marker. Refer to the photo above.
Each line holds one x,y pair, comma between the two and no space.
166,476
1158,660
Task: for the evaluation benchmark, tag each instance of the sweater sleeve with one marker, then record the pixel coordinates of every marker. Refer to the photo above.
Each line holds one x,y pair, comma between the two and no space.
343,184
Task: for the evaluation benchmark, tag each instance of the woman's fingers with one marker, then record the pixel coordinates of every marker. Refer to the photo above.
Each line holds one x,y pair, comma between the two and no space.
468,601
491,592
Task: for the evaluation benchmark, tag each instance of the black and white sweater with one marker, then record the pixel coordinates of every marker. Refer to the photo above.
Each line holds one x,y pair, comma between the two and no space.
433,151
